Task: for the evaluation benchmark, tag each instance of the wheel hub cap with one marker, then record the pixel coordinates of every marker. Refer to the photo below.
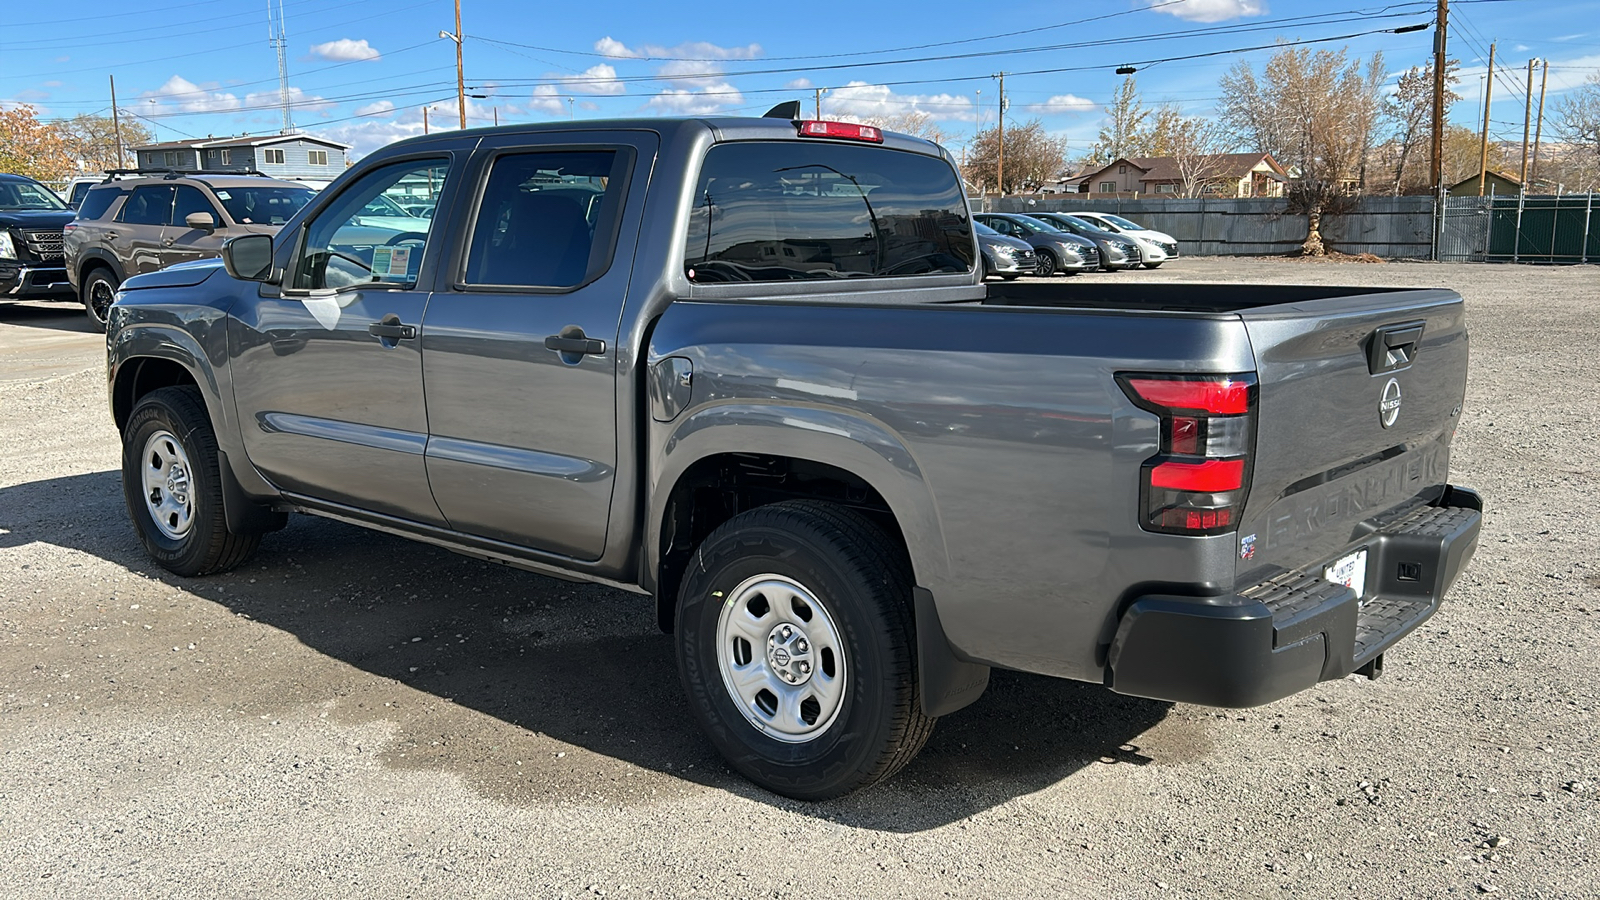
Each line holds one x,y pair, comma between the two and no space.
165,466
781,658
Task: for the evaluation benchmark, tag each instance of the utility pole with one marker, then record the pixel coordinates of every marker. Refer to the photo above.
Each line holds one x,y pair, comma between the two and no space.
497,117
424,120
1538,130
1000,168
818,93
1527,122
1441,38
116,123
461,78
1483,152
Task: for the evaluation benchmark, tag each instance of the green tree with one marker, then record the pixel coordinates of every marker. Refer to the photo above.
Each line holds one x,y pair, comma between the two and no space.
1124,131
31,147
1033,157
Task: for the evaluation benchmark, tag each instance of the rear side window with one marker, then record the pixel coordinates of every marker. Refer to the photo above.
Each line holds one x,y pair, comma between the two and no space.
547,219
796,210
148,206
98,201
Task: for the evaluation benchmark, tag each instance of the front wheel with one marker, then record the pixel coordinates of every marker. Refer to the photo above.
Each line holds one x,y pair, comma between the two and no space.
1046,264
795,636
173,485
99,291
1152,265
1011,276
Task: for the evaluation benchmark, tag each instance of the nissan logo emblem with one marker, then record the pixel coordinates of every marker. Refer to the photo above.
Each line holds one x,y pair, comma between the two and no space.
1389,406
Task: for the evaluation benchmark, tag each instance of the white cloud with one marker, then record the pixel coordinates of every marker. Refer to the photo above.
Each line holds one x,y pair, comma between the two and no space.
300,102
375,109
1213,10
688,50
861,100
799,84
698,101
183,95
344,50
610,47
547,99
1062,103
600,79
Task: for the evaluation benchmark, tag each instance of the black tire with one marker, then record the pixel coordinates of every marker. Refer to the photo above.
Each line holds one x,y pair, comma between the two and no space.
863,583
1047,265
205,546
98,290
1152,265
1011,276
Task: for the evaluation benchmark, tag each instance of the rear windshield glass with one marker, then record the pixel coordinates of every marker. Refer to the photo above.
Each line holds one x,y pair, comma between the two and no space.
795,210
263,205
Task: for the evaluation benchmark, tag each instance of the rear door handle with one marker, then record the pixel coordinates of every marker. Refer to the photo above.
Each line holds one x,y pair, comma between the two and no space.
1393,347
574,344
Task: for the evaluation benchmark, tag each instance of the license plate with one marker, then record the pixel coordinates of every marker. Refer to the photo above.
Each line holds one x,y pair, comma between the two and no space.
1350,571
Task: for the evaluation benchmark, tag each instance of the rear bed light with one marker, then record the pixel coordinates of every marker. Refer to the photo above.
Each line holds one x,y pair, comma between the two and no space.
1197,483
850,131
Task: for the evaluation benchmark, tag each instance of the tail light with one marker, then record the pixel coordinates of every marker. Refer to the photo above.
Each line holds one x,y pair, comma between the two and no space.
850,131
1197,483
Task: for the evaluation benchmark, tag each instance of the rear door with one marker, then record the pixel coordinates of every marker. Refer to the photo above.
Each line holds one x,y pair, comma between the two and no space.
519,347
136,236
1359,400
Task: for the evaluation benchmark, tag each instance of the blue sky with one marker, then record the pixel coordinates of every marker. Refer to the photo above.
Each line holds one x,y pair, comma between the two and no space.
361,71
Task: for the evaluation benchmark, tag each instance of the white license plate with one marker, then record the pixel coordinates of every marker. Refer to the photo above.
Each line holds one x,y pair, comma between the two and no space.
1350,571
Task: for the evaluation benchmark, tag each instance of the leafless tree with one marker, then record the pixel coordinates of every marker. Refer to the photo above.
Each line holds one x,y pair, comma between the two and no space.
1578,124
1315,112
1409,112
93,140
1033,157
1195,144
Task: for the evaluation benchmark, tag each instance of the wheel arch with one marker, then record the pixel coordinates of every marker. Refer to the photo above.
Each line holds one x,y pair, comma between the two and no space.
98,259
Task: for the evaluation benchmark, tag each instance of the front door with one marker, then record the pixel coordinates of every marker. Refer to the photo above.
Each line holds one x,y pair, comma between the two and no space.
327,370
519,350
181,243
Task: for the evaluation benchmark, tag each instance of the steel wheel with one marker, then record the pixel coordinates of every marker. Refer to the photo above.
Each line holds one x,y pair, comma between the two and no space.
167,491
1047,264
781,658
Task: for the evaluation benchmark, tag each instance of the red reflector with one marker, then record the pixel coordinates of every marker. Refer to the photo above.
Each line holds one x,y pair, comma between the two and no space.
848,130
1212,476
1186,436
1225,397
1196,519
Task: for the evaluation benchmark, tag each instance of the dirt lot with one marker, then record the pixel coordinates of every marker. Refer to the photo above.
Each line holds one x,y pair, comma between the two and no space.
354,715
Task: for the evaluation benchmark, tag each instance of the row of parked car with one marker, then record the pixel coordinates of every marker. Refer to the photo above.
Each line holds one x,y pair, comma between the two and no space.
1046,243
129,222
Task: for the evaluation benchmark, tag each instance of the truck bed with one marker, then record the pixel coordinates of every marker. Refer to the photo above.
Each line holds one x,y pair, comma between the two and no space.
1196,298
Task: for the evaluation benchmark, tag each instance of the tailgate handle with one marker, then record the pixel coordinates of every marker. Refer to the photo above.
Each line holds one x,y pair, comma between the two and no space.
1392,347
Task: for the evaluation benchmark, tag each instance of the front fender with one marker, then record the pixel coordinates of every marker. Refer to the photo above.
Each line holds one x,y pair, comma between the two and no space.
836,437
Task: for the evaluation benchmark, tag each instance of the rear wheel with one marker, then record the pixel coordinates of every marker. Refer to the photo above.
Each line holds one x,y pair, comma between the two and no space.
1152,265
795,644
98,291
173,485
1047,264
1011,276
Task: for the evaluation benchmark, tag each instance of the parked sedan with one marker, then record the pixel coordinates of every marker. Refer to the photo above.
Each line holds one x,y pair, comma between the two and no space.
1116,251
1004,256
1147,237
1058,251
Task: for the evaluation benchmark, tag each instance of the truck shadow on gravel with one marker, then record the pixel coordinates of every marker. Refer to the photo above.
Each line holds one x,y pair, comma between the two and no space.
581,664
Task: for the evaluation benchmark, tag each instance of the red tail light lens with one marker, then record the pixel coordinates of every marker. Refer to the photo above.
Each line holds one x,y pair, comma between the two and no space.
850,131
1197,483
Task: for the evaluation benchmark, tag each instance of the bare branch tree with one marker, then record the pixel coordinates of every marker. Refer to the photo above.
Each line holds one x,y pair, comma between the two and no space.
1033,157
1195,144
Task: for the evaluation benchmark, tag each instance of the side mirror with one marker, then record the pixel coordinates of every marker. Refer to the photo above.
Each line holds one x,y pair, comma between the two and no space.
248,257
202,221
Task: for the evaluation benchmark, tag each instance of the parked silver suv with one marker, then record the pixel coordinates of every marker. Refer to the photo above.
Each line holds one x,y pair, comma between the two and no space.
135,225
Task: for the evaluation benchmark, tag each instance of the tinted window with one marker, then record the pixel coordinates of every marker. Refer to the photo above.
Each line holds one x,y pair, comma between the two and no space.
771,211
98,201
148,206
340,250
547,219
79,191
263,205
192,200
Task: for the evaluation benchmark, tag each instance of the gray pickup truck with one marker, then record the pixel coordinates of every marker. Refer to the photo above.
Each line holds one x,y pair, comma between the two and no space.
748,368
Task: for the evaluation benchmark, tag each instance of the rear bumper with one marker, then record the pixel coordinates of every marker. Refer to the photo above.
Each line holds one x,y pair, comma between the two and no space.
26,281
1288,633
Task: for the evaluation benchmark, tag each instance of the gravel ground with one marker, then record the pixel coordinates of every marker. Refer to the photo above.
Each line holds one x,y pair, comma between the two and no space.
352,714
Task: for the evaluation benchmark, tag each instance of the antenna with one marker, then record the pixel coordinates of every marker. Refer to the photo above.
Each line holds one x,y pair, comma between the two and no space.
278,40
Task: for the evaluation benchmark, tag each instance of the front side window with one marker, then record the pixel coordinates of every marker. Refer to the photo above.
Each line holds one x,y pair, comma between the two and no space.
800,210
547,219
148,206
346,247
191,200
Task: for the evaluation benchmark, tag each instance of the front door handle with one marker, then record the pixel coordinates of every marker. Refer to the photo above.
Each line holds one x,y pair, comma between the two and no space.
574,343
392,329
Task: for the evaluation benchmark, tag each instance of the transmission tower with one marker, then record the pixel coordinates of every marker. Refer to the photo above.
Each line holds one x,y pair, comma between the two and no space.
279,41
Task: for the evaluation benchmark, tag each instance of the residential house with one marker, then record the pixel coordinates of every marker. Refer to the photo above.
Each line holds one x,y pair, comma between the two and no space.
293,157
1493,183
1221,175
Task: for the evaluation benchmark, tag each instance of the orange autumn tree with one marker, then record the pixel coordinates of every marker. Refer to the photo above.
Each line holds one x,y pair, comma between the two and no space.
31,147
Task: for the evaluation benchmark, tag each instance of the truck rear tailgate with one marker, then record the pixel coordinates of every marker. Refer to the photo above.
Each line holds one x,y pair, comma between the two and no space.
1359,400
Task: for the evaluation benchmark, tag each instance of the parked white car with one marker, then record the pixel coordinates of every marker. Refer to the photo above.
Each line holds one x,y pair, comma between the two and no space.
1156,247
